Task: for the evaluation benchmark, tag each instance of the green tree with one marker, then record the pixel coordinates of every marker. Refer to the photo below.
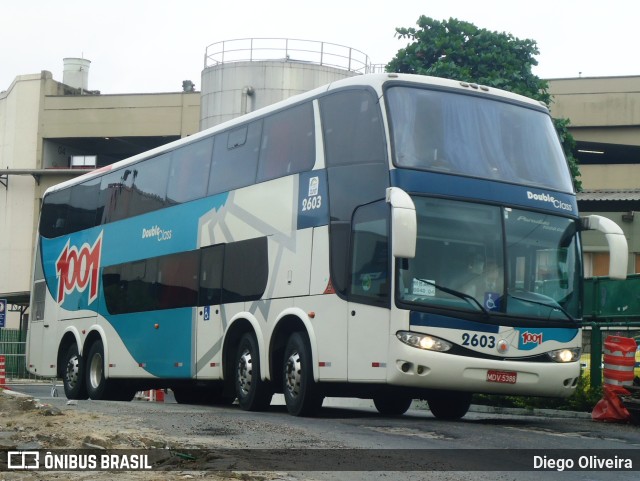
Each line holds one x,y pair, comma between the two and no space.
459,50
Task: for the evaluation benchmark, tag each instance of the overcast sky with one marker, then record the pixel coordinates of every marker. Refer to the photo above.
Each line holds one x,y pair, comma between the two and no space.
153,45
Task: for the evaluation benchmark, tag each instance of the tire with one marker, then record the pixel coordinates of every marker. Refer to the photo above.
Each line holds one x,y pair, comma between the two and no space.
392,405
450,405
252,392
73,374
301,393
100,388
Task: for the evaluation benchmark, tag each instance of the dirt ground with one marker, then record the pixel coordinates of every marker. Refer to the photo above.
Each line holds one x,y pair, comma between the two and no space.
27,424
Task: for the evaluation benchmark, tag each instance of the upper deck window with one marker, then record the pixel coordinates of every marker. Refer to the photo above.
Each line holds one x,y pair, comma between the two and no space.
474,136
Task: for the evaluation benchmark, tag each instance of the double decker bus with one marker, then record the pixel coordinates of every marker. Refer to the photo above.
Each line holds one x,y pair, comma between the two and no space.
387,236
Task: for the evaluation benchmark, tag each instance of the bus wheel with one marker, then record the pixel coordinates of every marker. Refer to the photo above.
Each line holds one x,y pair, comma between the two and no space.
391,405
450,405
73,374
98,387
253,393
301,393
96,382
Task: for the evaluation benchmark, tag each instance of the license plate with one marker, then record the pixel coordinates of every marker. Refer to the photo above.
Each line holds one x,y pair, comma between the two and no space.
505,377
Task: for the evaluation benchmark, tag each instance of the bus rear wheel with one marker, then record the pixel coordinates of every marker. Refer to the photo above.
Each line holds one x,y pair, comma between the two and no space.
73,374
98,386
301,393
450,405
252,392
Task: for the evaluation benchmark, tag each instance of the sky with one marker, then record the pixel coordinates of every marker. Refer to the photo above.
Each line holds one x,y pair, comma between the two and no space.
140,46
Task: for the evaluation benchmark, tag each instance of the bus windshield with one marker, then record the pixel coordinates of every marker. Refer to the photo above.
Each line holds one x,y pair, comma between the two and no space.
470,135
493,259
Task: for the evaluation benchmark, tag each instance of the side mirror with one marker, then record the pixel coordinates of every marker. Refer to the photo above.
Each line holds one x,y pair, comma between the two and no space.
404,227
618,248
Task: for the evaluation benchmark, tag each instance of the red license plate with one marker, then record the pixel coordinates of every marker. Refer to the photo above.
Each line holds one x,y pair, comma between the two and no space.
505,377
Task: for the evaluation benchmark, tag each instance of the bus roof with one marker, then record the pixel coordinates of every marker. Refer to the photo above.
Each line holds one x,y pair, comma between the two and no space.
375,81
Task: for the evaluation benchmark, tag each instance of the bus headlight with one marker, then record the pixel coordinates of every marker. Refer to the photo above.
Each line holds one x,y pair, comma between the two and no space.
423,341
565,355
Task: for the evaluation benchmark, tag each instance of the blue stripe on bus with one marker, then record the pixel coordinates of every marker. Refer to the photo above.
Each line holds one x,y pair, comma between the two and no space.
157,233
481,189
436,320
165,350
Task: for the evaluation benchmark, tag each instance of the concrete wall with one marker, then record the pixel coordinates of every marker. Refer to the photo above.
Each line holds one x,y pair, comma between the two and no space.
604,110
121,115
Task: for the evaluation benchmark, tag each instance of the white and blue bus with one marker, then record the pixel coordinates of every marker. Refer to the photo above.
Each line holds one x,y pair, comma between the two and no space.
387,236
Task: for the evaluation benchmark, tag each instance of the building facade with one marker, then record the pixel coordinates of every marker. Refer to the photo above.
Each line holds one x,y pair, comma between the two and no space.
605,122
51,131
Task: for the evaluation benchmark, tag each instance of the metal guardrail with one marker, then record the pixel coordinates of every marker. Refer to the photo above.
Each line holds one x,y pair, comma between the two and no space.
287,49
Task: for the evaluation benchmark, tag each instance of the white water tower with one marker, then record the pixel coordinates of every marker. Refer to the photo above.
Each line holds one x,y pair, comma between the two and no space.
243,75
76,73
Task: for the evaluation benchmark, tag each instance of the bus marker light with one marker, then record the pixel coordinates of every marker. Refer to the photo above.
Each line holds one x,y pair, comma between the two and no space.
156,326
503,346
178,364
84,331
324,364
311,315
329,289
378,364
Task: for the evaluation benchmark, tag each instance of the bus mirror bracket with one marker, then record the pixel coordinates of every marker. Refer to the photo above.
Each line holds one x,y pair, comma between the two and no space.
404,227
618,248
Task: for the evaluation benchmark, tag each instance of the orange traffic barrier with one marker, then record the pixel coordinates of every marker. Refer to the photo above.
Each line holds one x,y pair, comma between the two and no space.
619,360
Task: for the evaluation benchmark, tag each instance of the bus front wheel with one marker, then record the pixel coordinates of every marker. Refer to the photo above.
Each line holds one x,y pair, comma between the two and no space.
73,374
252,392
449,405
301,393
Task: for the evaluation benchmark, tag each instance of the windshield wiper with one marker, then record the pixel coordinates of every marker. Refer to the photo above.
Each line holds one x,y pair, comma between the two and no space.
550,304
461,295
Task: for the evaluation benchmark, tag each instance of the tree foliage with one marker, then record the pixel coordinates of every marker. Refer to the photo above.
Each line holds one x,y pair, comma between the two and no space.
459,50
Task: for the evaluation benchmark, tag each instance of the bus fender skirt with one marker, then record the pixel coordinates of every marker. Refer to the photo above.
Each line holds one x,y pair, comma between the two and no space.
255,325
304,318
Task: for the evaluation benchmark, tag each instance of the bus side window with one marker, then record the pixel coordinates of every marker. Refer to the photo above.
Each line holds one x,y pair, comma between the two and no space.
246,270
288,143
211,266
189,172
177,280
235,158
149,185
53,220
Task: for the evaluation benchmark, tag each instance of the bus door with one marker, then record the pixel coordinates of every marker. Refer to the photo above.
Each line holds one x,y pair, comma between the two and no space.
369,313
209,314
368,342
40,347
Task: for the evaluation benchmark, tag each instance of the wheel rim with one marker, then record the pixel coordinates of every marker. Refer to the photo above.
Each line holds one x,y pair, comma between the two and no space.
96,369
73,371
293,377
245,372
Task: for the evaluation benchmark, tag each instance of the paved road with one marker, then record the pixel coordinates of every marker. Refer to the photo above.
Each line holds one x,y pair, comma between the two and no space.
354,430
